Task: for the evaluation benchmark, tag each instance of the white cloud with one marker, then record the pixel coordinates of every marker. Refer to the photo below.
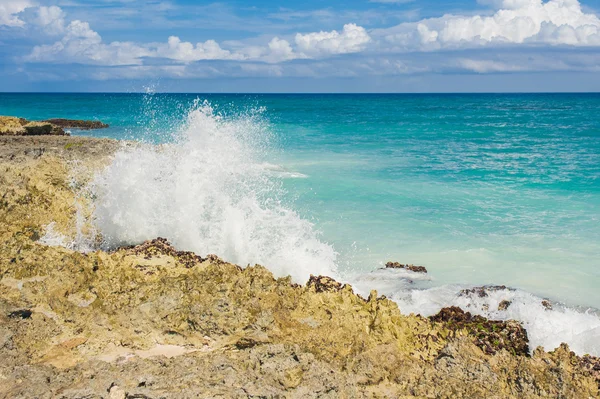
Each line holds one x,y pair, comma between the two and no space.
351,39
177,50
50,19
557,22
281,50
405,49
489,66
81,44
9,10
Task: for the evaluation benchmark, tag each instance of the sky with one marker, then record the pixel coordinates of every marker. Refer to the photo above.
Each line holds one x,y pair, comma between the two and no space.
307,46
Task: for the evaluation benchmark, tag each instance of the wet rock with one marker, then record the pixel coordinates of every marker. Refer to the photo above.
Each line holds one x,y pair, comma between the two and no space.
483,291
324,284
490,335
412,268
77,124
547,304
161,246
504,304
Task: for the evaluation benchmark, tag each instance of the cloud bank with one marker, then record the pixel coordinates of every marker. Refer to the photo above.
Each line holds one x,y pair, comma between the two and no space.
556,22
350,51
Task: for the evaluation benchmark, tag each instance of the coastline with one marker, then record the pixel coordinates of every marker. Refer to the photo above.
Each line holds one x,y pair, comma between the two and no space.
137,320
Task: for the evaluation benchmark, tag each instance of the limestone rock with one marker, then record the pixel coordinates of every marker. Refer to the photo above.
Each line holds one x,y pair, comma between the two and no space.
490,335
77,124
150,321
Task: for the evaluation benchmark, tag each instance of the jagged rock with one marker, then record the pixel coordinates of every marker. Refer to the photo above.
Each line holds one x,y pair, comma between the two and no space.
77,124
592,365
482,292
504,304
161,246
43,128
21,127
547,304
412,268
324,284
10,125
155,323
490,335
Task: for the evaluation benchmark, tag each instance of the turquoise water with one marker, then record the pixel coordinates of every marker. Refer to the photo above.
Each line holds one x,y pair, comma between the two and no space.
481,189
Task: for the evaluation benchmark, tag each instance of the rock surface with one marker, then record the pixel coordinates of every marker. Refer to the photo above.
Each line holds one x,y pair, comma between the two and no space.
412,268
150,321
14,126
77,124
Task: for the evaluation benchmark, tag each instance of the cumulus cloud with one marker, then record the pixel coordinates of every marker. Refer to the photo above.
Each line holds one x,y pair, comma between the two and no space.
9,10
177,50
81,44
556,22
403,49
50,19
281,50
351,39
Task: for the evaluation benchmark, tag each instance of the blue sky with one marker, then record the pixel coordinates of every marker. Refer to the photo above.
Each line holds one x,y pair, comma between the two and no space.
314,46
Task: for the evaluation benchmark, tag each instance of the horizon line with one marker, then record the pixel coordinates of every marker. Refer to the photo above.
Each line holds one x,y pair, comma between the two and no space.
299,93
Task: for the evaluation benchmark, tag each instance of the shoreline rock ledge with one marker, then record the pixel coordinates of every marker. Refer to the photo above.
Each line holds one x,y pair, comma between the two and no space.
151,321
15,126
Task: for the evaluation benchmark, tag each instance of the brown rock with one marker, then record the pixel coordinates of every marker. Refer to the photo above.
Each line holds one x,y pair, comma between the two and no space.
161,246
42,128
77,124
13,126
412,268
482,291
323,284
490,335
504,305
547,304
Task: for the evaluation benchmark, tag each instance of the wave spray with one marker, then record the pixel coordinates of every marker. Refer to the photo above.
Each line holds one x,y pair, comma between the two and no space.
209,192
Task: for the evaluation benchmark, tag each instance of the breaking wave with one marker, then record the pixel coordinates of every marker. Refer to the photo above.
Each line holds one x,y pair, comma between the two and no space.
548,323
211,191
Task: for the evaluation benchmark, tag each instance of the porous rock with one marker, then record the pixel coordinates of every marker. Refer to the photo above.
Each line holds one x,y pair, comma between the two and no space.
412,268
156,323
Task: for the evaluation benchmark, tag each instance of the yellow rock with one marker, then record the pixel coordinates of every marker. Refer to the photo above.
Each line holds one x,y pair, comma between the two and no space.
158,322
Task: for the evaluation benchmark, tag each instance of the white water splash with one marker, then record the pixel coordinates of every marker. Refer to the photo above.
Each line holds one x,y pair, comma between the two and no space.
209,192
546,327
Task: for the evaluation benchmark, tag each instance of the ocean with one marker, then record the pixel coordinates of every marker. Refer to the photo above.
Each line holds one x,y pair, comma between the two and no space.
482,189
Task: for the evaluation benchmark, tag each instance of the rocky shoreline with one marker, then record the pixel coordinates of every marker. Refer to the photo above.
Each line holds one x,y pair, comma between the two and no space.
15,126
150,321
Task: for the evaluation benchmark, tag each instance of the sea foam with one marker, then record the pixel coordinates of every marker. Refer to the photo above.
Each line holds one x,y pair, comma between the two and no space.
547,324
210,192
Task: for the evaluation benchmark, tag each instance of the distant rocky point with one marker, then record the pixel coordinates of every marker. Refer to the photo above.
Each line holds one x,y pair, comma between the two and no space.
14,126
77,124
